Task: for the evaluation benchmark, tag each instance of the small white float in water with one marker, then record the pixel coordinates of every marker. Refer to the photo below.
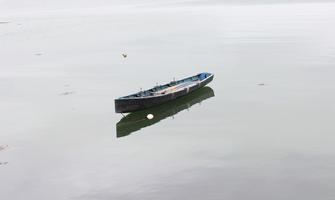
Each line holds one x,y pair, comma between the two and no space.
150,116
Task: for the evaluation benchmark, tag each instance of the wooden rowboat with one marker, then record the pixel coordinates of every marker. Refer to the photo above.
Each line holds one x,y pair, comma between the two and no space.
161,94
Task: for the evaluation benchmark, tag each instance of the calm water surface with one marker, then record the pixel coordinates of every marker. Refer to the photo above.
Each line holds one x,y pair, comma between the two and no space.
263,129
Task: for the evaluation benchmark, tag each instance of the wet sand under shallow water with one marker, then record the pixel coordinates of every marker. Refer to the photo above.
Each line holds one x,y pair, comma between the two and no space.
250,141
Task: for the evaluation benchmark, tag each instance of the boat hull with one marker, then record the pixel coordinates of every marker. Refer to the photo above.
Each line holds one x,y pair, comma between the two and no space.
138,120
135,104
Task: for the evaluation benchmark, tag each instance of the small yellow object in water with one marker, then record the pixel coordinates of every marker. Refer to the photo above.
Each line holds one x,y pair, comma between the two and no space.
124,55
150,116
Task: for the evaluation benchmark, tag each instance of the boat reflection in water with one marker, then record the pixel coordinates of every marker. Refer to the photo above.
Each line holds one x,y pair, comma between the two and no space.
137,120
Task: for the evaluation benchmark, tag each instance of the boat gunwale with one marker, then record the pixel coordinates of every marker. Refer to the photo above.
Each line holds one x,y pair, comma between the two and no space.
160,95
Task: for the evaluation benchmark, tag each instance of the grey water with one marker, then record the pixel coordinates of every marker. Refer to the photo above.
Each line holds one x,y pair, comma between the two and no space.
263,129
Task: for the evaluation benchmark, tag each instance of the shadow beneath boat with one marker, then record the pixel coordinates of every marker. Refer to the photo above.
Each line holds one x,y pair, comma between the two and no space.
137,120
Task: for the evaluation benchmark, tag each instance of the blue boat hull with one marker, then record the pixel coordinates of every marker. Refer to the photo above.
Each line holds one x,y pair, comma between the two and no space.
137,120
126,105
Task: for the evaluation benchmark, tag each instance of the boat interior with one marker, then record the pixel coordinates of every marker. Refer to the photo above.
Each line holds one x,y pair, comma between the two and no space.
173,86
